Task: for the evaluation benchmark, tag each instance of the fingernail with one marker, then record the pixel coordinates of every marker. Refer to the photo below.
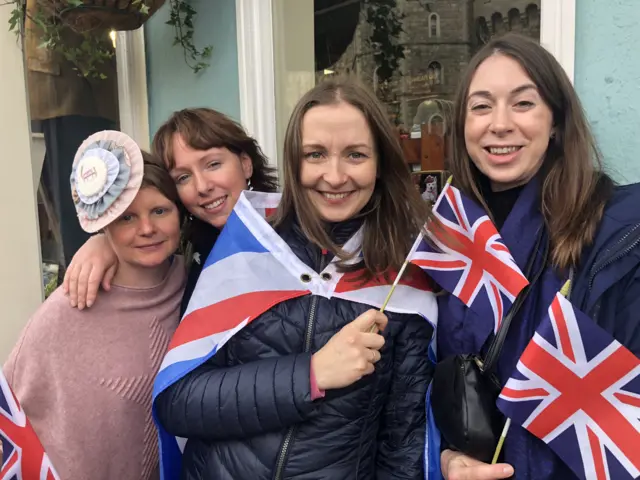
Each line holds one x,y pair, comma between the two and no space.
508,470
89,304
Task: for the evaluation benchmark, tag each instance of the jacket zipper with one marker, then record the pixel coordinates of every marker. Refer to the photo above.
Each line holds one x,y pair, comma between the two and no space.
282,457
618,253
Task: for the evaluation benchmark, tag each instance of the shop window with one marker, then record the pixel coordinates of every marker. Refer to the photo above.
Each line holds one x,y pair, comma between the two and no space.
401,48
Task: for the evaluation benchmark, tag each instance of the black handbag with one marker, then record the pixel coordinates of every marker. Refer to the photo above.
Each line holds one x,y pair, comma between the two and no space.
465,387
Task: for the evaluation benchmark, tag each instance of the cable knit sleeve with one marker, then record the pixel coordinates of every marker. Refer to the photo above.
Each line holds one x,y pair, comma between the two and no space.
215,402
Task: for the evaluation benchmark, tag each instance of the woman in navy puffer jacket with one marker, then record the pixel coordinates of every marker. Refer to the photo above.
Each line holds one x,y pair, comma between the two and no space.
308,390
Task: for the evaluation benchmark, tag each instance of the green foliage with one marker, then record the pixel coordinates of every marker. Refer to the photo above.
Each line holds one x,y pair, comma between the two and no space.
181,19
51,286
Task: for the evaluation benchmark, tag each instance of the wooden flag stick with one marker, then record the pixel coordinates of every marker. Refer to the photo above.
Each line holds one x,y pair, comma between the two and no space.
393,287
402,269
564,291
503,435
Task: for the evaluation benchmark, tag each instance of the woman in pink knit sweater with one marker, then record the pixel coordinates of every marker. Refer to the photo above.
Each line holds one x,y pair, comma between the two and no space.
84,378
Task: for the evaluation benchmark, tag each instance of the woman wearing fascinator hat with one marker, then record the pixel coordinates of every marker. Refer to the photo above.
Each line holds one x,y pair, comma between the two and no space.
84,378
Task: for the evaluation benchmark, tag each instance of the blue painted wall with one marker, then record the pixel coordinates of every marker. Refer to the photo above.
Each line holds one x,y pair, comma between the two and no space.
172,85
607,77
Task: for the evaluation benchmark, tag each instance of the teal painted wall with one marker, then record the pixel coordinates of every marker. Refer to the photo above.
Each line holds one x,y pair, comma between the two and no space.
607,78
172,85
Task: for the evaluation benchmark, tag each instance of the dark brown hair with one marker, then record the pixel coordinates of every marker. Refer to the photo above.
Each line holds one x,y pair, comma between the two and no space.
396,212
156,175
574,188
204,128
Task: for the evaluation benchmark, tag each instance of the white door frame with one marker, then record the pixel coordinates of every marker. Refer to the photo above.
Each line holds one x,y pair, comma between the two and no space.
558,31
257,71
133,100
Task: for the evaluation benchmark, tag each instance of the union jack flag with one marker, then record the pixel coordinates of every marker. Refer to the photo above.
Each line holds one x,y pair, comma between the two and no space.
249,270
22,453
578,390
468,258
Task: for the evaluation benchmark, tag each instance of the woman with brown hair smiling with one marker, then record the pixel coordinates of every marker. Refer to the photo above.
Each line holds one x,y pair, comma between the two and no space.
523,149
307,389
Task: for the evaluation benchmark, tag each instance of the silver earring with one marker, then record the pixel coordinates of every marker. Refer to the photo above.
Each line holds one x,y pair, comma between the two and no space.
249,187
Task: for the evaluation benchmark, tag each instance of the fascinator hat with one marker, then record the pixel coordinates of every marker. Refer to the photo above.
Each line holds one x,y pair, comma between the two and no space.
105,178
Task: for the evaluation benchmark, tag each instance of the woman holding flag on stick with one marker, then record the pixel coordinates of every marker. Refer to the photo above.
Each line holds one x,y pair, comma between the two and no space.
568,369
275,371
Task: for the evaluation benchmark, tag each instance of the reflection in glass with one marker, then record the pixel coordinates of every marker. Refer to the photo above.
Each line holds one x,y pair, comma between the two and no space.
403,48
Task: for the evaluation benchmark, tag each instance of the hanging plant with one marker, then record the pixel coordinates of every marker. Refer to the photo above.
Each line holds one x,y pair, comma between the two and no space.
88,51
181,19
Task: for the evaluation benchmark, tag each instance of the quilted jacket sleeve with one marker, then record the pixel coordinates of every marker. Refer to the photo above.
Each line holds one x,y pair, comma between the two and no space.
215,402
402,436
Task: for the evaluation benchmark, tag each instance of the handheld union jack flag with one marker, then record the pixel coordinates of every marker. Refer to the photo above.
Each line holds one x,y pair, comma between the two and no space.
23,455
578,390
468,258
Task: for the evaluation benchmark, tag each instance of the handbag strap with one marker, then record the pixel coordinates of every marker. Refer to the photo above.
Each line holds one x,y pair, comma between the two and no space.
498,341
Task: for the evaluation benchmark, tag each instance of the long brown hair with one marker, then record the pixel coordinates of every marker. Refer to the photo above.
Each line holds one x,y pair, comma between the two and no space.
395,213
204,128
574,188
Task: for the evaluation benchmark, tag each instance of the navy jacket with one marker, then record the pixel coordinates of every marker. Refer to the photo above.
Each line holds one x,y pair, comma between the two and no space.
606,286
248,411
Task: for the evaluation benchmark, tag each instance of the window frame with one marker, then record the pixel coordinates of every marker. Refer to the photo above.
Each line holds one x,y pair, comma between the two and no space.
434,18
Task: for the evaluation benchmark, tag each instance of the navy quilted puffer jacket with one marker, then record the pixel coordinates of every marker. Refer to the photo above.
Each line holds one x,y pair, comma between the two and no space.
248,412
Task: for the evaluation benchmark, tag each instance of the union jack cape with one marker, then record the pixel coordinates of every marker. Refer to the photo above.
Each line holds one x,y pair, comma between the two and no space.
251,269
578,390
468,258
23,457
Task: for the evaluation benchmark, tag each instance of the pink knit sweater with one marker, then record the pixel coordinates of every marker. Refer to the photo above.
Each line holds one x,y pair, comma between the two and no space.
84,378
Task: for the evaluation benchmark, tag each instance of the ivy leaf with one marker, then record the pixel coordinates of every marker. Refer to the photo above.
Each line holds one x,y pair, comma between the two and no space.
144,9
14,19
181,18
75,3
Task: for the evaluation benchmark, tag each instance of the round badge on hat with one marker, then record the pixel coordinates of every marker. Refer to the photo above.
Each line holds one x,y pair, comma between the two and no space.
105,179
